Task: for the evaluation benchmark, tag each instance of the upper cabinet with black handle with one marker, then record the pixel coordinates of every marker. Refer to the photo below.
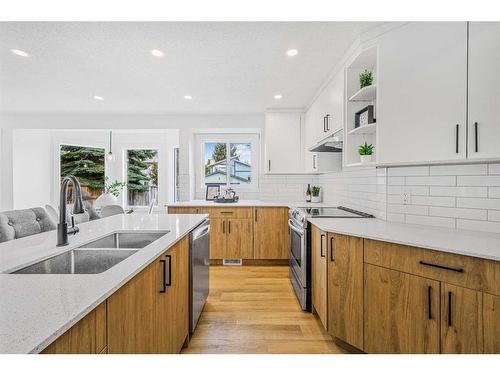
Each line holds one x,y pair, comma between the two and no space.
484,90
283,145
438,93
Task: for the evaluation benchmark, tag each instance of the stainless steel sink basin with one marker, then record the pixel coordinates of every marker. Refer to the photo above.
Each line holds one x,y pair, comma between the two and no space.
124,240
79,262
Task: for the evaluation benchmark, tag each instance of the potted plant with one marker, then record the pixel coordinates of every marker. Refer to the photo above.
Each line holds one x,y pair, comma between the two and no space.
315,191
111,193
365,153
365,79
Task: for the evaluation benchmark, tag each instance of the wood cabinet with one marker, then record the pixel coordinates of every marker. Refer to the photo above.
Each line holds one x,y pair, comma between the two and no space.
491,322
319,274
422,96
150,313
271,233
283,156
218,238
483,90
345,288
172,307
402,312
88,336
461,320
239,242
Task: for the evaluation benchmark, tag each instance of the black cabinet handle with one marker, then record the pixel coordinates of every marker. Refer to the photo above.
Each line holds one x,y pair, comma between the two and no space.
327,123
442,267
229,226
269,165
332,242
475,137
223,226
169,282
164,276
449,309
321,246
429,301
456,138
324,124
256,215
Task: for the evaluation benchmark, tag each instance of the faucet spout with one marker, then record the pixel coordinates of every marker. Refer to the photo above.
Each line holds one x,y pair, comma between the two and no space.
62,227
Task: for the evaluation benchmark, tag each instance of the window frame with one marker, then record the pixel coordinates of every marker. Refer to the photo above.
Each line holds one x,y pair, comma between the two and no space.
250,138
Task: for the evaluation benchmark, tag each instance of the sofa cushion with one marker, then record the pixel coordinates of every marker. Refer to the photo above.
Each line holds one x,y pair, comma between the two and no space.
21,223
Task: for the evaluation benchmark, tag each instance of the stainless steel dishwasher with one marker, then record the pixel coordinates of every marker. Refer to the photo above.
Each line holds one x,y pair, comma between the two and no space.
199,248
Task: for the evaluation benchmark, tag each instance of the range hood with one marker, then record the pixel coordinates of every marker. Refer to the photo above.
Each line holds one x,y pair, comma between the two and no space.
332,143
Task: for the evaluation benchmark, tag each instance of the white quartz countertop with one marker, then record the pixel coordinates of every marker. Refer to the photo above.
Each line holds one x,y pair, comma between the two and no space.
244,203
36,309
472,243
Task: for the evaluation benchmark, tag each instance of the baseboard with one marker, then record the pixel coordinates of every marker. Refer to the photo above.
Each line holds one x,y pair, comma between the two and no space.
254,262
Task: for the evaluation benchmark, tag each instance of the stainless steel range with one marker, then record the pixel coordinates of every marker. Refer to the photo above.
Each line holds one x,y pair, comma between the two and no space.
300,245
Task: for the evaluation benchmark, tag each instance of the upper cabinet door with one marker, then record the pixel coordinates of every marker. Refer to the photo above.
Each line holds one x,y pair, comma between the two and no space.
422,93
283,146
484,90
334,101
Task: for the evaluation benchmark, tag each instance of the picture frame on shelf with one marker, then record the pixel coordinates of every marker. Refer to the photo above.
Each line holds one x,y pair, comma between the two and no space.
364,117
212,191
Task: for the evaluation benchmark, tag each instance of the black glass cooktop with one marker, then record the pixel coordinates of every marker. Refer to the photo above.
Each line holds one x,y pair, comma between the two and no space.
334,212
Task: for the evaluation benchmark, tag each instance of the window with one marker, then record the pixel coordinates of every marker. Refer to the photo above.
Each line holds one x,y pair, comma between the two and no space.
177,186
142,177
87,165
230,161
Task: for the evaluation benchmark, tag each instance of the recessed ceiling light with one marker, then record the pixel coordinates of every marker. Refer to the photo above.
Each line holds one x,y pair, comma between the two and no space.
188,97
18,52
157,53
278,96
292,52
97,97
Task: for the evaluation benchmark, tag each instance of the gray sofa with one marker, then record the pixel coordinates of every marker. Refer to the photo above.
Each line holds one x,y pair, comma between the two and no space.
21,223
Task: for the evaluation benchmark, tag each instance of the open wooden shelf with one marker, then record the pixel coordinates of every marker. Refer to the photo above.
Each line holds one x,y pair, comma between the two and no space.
366,94
367,129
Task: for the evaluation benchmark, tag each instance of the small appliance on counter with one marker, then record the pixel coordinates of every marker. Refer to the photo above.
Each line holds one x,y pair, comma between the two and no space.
300,245
229,196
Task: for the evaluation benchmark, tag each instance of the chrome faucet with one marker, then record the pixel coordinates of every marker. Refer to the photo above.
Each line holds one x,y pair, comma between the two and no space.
62,227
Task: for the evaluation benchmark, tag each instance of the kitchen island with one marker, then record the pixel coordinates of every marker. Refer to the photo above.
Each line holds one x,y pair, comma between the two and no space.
36,309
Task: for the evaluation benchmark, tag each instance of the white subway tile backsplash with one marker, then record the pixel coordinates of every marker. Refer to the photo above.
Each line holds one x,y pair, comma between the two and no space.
483,226
412,190
395,180
478,180
493,215
463,213
494,192
409,171
431,180
433,201
484,203
459,191
459,170
407,209
431,220
494,168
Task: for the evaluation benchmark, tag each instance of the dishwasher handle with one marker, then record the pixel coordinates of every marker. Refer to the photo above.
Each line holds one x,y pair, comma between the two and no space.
202,230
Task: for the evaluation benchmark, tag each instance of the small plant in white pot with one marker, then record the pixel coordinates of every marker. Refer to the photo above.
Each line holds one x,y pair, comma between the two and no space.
365,153
315,192
111,193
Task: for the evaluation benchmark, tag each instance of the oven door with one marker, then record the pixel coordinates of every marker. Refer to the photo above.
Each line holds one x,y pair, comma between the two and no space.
297,253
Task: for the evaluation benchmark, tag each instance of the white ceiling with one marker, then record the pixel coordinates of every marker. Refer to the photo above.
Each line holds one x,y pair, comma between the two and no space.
228,68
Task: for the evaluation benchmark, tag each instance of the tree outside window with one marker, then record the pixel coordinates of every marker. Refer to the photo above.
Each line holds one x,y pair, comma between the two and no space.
142,177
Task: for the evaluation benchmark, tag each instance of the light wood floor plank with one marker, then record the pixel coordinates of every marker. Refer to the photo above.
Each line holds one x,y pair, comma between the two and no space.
253,310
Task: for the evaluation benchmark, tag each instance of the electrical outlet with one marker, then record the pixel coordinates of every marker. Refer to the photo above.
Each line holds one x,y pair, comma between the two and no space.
406,197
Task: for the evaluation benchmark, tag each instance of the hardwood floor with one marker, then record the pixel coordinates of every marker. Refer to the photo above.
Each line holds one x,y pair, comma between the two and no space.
252,309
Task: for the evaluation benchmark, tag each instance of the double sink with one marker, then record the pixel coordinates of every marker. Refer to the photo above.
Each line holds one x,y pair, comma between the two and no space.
96,256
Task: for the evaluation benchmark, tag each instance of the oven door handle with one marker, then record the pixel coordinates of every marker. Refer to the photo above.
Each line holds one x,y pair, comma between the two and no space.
295,228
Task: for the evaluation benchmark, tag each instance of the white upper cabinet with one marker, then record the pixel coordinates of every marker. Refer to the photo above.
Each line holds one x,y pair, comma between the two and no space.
422,89
484,90
283,145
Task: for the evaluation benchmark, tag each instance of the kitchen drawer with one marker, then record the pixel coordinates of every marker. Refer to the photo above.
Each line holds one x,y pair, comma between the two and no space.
469,272
231,212
182,210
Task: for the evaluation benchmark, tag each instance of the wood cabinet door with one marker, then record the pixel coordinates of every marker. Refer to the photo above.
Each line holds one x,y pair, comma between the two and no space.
217,238
461,320
345,288
484,90
239,239
271,233
131,314
172,308
419,64
491,321
318,274
402,312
